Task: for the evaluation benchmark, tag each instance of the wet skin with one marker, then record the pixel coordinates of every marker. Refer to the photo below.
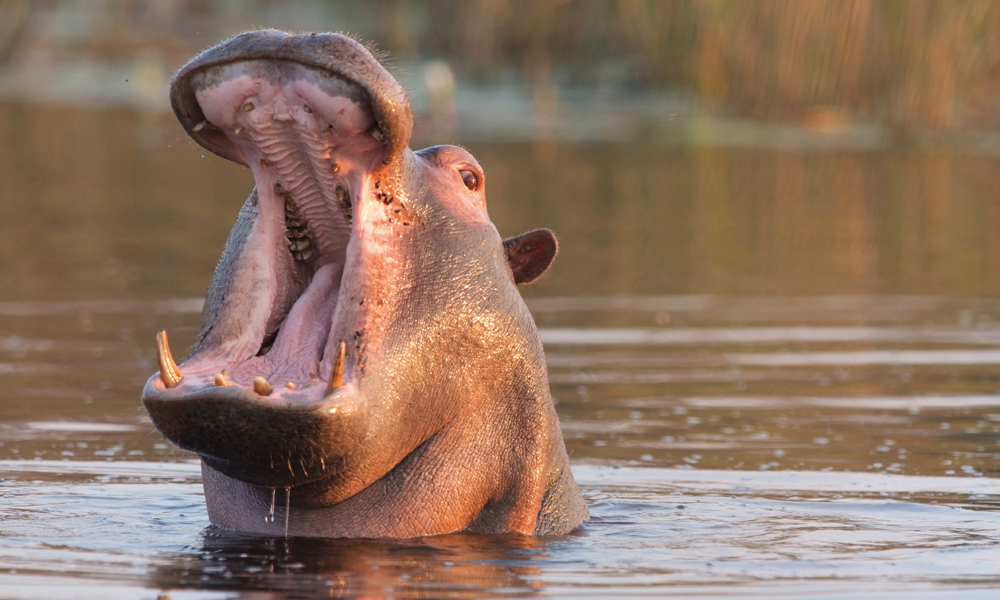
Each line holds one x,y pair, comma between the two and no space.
363,340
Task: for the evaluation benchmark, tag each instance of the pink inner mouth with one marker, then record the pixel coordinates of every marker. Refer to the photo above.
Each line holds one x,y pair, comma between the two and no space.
302,337
312,143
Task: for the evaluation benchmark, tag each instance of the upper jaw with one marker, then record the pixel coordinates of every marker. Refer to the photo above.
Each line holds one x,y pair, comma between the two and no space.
328,52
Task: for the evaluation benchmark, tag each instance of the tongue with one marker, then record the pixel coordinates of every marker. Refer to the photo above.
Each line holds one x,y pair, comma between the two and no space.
299,346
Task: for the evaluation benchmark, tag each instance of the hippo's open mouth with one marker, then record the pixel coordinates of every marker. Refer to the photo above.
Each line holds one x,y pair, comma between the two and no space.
322,147
314,146
313,139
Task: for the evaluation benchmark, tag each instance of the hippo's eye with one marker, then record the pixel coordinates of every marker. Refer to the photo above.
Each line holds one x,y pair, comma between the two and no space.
470,179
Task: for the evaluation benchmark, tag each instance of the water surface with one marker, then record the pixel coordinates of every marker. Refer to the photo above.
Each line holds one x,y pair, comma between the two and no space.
778,373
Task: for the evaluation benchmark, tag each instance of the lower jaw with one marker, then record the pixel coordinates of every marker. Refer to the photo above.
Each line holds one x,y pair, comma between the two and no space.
255,442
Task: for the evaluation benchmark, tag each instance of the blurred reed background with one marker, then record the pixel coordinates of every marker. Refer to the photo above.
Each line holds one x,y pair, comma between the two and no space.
677,147
909,65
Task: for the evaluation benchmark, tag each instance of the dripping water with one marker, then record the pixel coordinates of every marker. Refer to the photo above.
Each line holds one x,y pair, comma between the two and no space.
270,514
288,502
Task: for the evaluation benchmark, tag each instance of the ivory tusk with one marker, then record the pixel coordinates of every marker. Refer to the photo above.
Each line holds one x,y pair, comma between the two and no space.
169,373
337,373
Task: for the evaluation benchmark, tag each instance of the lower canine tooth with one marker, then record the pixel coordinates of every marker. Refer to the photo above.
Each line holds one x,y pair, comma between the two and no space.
337,374
169,372
220,380
261,386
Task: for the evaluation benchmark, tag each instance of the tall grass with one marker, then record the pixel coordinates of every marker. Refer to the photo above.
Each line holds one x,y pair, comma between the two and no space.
914,63
927,64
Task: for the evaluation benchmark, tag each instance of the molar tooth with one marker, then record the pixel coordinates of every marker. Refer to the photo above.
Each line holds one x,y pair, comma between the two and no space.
248,107
261,386
290,385
226,373
199,126
377,133
337,373
263,163
307,254
221,381
335,168
169,372
307,108
239,129
299,244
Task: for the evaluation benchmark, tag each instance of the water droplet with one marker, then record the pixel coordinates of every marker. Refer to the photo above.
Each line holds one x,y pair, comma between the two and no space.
270,514
288,503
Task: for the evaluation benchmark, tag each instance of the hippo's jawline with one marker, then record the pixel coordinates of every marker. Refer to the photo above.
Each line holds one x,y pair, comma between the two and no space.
313,144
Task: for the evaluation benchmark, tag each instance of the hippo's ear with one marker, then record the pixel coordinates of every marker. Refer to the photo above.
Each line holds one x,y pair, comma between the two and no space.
529,255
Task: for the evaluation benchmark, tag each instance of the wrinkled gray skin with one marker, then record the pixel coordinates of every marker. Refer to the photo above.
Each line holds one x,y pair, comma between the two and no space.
444,420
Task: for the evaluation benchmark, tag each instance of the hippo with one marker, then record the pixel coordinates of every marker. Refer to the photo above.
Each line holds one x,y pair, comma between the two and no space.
365,356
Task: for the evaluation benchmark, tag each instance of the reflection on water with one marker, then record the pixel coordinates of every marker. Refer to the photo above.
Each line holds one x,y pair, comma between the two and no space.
652,531
91,214
777,372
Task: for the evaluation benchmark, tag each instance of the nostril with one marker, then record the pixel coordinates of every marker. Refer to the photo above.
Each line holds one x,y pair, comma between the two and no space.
470,179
